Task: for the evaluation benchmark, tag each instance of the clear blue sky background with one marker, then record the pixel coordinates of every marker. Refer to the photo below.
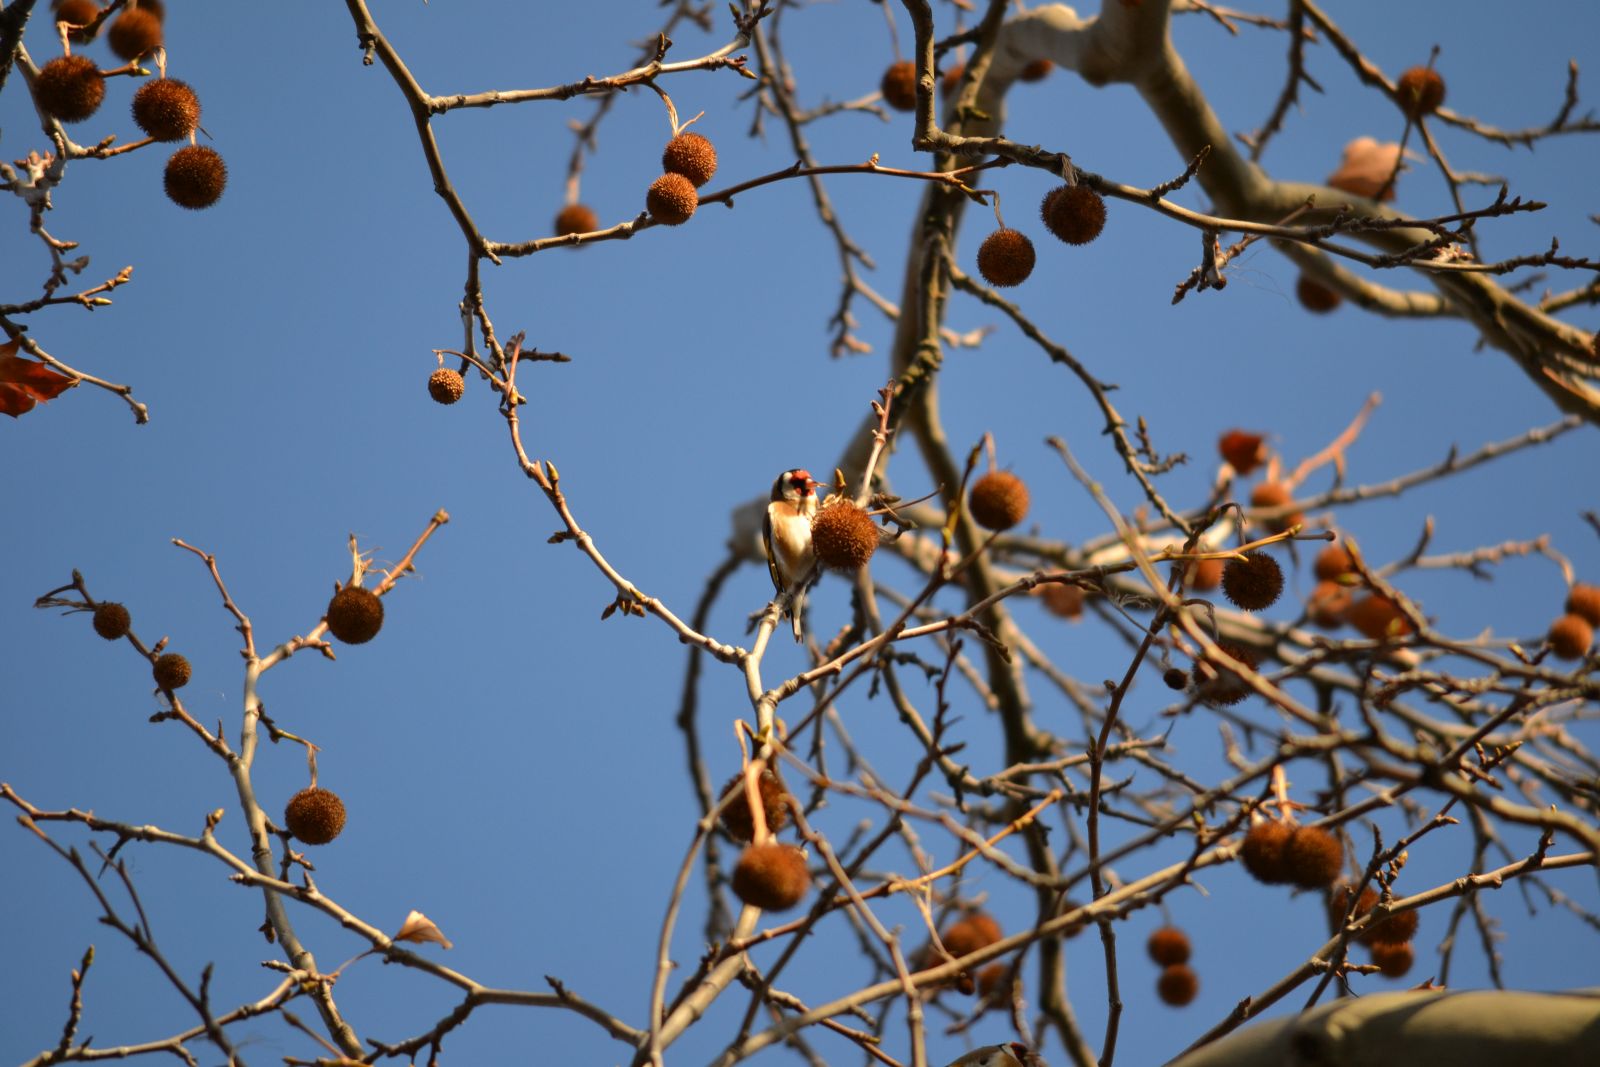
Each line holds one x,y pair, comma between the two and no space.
509,761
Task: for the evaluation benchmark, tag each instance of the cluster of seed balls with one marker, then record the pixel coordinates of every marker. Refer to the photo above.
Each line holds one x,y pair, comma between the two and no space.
113,622
1389,941
770,875
71,89
1178,983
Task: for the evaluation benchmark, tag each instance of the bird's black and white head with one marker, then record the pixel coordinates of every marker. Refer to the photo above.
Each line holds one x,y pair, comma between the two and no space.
795,486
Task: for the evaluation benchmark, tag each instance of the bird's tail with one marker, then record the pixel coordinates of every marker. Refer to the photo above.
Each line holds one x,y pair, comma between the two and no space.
797,607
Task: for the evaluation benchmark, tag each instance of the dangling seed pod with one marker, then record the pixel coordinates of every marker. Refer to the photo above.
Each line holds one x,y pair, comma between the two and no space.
576,218
69,88
1312,857
166,109
1074,213
446,386
692,156
171,671
1006,258
998,500
1168,946
111,620
843,536
315,816
355,615
1262,851
1254,582
672,199
737,818
899,86
1243,451
195,177
772,877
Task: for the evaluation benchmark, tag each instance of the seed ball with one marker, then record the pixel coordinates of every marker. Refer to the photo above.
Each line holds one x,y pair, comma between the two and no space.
134,32
1329,605
1262,852
1243,451
692,156
355,615
1006,258
195,177
166,109
1062,601
672,199
1316,297
772,877
1178,985
576,218
1220,687
1254,582
952,78
1168,946
1377,618
1204,575
78,13
111,620
971,934
1584,601
1174,678
1393,960
1570,637
70,88
843,536
999,500
1276,495
1312,857
1332,564
1037,71
737,818
314,815
1074,213
1339,904
1421,91
993,980
899,86
171,671
446,385
1396,929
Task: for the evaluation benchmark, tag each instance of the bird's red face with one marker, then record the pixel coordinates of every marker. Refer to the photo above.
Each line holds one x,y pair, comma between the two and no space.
795,485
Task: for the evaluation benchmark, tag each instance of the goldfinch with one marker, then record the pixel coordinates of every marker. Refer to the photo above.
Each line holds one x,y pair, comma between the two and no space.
788,538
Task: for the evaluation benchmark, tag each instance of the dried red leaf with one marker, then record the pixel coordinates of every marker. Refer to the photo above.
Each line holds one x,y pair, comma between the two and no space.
26,382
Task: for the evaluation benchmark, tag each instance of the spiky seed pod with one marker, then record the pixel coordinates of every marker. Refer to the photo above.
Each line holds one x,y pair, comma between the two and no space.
672,199
772,877
1339,904
1204,575
166,109
952,78
843,536
1074,213
899,86
155,7
1377,618
111,620
1316,297
1312,857
1329,605
171,671
1262,851
78,13
1254,582
1393,960
314,815
1421,91
1174,678
195,177
355,615
1276,495
134,32
1584,601
1571,636
1178,985
994,980
576,218
1395,929
1243,451
70,88
999,500
1062,601
965,936
1037,71
692,156
1218,686
1332,564
737,818
1006,258
446,385
1168,946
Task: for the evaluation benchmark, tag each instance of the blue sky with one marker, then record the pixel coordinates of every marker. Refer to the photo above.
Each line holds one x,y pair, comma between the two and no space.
510,761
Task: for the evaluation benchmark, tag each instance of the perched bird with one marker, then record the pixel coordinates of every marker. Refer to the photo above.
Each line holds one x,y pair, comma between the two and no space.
788,537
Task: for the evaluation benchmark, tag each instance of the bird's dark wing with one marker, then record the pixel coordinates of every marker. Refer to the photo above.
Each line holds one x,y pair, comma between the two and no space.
772,559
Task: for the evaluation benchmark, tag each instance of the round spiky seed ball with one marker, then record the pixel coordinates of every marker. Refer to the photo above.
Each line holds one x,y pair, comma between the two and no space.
1316,297
1312,857
737,819
994,980
78,13
166,109
1276,495
967,935
1393,960
1332,564
1329,605
195,177
171,671
1254,582
1037,71
1571,636
952,78
111,620
1074,213
999,500
1584,601
843,536
1421,91
1218,686
1339,904
1243,451
672,199
1006,257
576,218
446,385
1395,929
1377,618
772,877
899,85
314,815
1178,985
134,32
70,88
1062,601
1262,851
1204,575
692,156
1175,678
355,615
1168,946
